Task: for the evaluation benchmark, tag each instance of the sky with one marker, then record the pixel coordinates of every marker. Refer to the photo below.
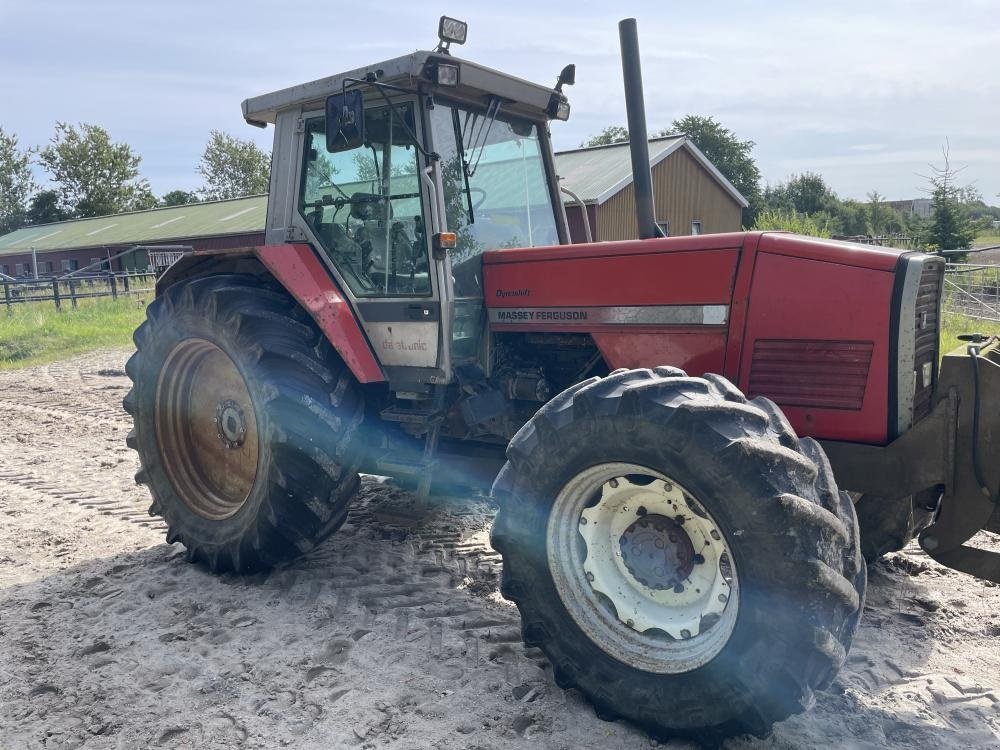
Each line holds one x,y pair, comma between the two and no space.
864,93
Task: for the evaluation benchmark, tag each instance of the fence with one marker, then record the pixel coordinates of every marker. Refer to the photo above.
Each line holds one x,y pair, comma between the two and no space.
972,290
71,289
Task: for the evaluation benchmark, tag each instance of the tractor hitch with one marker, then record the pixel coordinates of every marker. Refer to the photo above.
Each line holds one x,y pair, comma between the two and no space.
953,451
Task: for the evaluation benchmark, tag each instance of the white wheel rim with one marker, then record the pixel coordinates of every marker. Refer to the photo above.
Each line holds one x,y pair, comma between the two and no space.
642,568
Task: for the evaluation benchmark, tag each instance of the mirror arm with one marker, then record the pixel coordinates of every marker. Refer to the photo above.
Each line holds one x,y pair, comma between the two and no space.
380,87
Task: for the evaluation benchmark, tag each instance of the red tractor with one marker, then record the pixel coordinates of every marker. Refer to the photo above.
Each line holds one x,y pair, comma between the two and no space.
673,416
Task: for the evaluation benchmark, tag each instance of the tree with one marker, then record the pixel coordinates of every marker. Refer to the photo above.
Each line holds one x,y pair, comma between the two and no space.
950,227
730,155
610,134
788,220
95,176
878,214
233,168
45,209
16,183
179,198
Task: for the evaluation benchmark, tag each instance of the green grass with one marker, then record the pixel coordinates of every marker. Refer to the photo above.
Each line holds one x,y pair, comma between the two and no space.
987,238
953,324
34,333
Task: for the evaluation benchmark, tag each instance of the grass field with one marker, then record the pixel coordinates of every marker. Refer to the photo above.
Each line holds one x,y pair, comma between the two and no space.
987,237
35,332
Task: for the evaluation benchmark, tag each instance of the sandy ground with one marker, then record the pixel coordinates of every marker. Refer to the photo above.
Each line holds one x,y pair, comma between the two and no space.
389,635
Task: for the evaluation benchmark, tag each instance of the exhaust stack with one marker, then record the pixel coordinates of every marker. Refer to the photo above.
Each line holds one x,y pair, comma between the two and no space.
635,110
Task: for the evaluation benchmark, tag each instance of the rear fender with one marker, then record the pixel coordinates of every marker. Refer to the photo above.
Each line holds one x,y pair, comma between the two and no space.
303,276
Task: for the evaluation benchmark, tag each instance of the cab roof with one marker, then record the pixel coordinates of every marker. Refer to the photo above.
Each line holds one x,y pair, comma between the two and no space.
476,83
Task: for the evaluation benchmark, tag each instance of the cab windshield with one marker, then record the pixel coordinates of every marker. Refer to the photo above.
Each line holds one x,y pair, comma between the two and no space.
505,200
363,205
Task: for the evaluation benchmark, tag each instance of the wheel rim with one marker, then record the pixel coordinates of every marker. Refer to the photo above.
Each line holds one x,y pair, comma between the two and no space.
206,429
642,568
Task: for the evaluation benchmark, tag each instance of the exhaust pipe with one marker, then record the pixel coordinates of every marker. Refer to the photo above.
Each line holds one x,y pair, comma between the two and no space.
635,110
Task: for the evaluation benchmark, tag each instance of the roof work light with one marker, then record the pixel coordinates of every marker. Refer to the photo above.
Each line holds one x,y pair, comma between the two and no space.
452,31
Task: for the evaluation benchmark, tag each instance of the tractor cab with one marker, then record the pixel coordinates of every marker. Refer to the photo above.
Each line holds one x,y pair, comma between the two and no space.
401,174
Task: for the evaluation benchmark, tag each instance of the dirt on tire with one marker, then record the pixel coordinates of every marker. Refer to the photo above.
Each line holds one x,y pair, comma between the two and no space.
389,634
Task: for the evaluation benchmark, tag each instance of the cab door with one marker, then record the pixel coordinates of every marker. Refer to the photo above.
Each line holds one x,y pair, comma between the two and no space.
365,211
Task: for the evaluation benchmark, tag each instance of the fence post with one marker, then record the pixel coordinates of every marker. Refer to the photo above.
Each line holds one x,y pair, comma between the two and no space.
125,281
72,291
55,294
114,287
6,295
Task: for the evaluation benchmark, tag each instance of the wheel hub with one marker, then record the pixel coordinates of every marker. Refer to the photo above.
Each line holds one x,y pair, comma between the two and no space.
643,567
206,429
231,423
657,552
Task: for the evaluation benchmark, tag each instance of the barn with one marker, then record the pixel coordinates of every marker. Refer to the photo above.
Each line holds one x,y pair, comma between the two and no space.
73,245
691,196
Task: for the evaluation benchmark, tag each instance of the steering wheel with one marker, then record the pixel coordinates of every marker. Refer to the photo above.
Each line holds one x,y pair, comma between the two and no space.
480,200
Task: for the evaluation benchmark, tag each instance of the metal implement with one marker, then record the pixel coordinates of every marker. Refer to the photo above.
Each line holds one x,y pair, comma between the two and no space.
953,449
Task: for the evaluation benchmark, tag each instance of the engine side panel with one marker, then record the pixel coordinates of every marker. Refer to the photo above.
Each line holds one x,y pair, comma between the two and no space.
817,342
644,304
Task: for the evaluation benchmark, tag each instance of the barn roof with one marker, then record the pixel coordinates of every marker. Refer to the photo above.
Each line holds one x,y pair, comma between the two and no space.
595,173
213,218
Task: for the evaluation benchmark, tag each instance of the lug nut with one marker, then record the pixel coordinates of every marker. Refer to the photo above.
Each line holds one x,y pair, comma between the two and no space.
640,511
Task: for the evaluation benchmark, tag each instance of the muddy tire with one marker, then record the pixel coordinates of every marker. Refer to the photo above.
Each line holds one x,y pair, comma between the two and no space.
243,421
612,608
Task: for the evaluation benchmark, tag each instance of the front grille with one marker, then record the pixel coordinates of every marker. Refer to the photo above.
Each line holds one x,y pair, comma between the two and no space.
926,336
811,373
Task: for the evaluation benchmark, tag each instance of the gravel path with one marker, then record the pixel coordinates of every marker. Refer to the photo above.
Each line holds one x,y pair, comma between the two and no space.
390,635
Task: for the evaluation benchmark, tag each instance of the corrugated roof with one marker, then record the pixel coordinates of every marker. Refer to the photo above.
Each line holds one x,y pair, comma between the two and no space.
596,173
215,218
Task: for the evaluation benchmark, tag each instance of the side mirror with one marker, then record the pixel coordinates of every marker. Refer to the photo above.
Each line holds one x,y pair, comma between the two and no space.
345,121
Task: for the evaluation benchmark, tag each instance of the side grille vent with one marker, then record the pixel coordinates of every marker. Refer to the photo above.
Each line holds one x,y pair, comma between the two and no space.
811,373
926,337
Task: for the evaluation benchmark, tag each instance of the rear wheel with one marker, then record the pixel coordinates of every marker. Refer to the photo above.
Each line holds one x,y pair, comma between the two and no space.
245,423
678,553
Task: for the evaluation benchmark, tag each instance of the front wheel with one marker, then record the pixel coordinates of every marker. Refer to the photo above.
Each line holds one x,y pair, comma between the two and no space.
678,553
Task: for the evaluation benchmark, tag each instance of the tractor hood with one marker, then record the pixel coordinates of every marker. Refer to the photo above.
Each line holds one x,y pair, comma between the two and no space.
775,243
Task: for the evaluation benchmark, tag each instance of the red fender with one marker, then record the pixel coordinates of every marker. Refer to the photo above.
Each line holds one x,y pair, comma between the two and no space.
298,269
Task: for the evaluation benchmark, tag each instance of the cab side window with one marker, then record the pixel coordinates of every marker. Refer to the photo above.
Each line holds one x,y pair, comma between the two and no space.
364,205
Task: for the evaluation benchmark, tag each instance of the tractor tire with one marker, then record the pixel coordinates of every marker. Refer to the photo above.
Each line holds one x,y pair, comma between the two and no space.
640,513
889,524
245,421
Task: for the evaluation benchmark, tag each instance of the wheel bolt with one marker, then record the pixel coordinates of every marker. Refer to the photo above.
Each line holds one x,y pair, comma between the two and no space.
685,634
614,484
699,559
679,588
583,521
630,623
640,511
590,576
